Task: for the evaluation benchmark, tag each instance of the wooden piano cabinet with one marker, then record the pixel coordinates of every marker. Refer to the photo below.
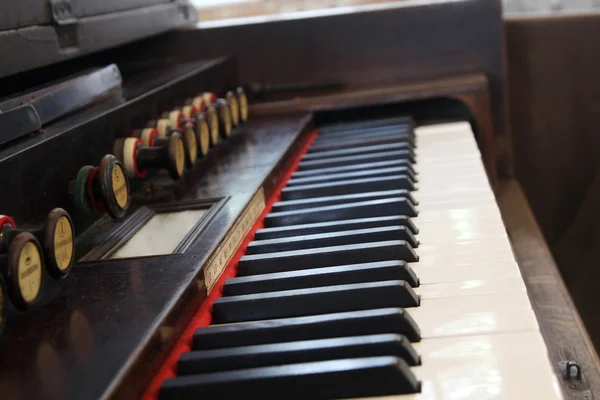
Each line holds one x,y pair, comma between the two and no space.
371,46
554,99
559,321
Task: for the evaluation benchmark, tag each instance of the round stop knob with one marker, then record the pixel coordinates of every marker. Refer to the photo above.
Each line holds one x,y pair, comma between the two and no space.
59,242
243,104
234,108
23,270
224,113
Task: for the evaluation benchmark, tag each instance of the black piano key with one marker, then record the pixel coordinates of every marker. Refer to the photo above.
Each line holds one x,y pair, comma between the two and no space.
326,257
354,160
334,226
354,323
360,209
290,205
366,125
332,239
265,355
313,301
335,379
389,130
375,149
317,277
369,139
372,173
350,186
356,167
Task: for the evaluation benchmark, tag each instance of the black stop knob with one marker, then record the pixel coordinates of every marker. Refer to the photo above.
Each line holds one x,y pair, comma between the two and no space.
243,104
234,108
22,268
224,114
167,153
102,189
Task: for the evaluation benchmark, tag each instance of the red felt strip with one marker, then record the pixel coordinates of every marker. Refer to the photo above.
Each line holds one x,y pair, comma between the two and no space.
204,314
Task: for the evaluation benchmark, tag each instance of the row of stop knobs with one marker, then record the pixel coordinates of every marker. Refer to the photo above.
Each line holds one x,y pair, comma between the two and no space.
28,257
182,135
173,142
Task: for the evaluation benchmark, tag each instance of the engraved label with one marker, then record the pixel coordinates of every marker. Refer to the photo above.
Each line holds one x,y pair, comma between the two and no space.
234,110
244,107
192,142
214,126
30,272
227,121
63,243
204,137
179,157
119,185
228,247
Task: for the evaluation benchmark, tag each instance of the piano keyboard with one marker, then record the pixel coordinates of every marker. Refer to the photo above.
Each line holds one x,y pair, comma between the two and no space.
349,292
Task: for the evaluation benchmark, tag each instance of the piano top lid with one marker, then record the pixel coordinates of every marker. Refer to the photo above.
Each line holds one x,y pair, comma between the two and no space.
37,33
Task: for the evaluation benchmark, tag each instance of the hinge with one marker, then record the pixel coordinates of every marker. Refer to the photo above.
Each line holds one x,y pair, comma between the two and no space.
62,12
574,383
65,23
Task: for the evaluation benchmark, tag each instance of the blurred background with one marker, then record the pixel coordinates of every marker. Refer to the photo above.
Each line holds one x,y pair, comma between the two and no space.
215,10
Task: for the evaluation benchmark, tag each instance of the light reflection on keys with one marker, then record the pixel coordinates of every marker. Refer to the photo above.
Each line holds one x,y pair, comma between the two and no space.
480,337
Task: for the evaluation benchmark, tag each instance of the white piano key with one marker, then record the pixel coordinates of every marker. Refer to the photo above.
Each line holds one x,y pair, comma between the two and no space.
467,213
447,131
492,313
448,184
466,272
457,220
454,197
461,258
481,340
435,237
471,287
510,366
462,246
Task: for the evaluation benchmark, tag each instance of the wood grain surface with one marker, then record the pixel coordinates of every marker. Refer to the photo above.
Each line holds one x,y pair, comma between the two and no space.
561,326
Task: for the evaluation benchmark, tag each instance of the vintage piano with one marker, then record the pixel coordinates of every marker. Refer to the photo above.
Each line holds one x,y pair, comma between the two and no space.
310,206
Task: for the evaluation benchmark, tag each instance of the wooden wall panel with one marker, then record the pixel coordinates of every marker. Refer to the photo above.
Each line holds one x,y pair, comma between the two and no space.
554,101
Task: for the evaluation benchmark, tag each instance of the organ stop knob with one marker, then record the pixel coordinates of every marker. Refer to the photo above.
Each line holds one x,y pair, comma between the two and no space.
59,242
21,267
195,121
212,119
243,104
102,189
176,123
167,152
56,237
202,133
234,108
224,114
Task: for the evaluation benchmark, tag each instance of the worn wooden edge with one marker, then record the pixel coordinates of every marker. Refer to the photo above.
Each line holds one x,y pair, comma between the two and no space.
377,94
471,89
560,324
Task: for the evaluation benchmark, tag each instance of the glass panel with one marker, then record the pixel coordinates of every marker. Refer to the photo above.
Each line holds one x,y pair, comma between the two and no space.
161,234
